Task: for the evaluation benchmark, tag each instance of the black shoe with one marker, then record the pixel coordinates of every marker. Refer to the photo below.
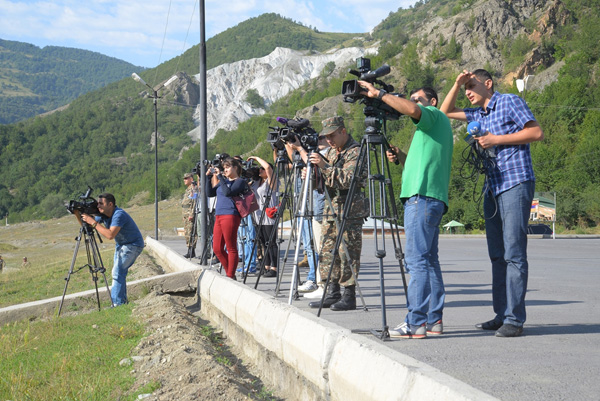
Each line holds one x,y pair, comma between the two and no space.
509,330
187,255
489,325
333,296
271,273
348,301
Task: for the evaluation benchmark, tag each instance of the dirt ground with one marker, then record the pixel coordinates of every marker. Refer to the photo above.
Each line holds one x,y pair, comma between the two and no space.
187,358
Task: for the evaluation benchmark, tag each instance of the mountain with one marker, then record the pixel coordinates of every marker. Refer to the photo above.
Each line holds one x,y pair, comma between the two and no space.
104,138
35,80
271,78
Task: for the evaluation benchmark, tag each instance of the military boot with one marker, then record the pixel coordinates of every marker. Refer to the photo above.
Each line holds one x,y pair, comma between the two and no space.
333,295
303,262
348,301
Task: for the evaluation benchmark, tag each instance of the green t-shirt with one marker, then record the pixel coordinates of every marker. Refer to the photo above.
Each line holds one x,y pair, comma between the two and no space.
427,166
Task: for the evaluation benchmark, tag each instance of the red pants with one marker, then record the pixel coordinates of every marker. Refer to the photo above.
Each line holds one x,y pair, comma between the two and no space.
225,234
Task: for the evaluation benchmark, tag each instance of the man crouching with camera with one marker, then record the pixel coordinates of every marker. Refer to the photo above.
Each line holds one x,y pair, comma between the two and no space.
337,168
129,243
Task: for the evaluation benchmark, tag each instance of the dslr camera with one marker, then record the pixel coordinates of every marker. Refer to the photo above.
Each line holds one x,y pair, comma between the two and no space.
85,204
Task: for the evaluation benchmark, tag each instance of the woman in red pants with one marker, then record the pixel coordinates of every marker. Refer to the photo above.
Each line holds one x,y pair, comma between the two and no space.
225,184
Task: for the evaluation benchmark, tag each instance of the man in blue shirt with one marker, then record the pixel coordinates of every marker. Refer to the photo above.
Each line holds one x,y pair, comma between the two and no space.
129,243
509,126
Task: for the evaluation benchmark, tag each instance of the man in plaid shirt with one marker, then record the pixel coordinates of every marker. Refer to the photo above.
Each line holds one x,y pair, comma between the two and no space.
508,126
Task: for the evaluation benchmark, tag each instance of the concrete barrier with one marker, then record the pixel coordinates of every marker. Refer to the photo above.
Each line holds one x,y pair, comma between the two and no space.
308,358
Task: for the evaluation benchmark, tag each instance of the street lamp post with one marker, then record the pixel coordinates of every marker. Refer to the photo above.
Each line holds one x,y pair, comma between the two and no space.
155,98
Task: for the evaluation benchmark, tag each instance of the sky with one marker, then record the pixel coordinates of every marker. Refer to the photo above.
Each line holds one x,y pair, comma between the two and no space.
147,33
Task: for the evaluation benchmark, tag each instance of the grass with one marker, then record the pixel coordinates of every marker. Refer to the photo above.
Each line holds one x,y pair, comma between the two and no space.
69,358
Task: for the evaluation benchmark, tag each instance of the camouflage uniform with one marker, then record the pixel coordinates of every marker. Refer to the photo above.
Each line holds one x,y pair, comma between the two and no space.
337,176
187,205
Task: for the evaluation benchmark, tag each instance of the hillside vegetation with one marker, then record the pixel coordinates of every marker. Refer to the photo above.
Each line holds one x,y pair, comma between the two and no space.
34,80
103,139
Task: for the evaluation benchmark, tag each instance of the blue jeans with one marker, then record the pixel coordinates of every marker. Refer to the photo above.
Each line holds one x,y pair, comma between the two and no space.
506,233
422,218
125,256
312,256
246,238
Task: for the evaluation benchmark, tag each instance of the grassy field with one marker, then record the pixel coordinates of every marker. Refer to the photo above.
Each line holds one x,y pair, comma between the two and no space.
70,358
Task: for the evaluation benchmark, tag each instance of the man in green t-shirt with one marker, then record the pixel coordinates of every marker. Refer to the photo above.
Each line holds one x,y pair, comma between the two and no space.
424,193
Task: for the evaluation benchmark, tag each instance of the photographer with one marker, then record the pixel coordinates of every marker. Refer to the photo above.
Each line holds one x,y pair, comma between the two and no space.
510,184
129,243
224,185
424,194
188,204
261,187
337,168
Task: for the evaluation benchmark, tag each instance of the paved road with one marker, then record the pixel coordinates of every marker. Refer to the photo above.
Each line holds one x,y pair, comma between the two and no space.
558,357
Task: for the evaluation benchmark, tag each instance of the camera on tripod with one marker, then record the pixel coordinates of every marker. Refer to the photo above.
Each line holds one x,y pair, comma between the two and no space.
215,163
352,91
299,129
85,204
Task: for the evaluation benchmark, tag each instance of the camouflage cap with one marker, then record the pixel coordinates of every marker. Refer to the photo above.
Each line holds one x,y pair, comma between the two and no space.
188,175
332,124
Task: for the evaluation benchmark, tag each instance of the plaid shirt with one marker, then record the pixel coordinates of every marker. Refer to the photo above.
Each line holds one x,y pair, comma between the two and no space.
505,114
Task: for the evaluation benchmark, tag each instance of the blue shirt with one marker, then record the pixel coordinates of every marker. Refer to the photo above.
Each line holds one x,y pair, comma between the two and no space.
129,234
224,190
506,114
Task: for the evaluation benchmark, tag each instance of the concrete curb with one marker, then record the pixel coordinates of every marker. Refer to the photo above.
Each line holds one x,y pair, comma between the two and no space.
328,361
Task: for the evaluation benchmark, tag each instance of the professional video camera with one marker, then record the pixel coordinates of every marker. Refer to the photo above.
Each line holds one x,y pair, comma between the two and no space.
85,204
215,163
293,129
352,90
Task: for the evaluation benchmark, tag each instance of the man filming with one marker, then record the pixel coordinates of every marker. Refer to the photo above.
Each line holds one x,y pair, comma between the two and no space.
129,243
424,194
337,168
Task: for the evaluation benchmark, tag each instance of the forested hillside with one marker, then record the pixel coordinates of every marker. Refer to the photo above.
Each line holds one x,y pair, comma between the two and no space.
103,139
34,80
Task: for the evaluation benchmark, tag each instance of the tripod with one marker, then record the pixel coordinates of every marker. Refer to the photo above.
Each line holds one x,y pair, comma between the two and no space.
94,262
381,195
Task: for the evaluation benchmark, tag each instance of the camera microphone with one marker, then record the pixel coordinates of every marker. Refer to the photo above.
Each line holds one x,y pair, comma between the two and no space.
299,123
474,128
282,120
380,72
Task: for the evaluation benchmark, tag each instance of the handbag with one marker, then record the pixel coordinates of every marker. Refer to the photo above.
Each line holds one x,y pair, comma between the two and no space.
245,203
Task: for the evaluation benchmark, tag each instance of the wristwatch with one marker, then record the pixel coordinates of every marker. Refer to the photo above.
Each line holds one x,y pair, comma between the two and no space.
382,93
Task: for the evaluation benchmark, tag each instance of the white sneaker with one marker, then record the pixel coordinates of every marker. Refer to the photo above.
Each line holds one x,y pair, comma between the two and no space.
308,286
405,330
318,293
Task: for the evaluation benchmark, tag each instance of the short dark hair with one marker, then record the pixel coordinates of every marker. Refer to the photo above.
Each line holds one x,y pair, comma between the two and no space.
430,93
483,75
108,197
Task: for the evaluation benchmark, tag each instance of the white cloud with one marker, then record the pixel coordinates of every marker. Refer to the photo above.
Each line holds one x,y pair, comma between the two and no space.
133,30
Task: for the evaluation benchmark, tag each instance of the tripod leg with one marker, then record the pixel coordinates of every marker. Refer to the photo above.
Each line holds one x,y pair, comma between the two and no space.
62,300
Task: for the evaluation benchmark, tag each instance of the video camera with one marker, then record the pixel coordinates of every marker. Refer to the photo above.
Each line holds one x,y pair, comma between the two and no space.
299,129
216,162
352,91
86,204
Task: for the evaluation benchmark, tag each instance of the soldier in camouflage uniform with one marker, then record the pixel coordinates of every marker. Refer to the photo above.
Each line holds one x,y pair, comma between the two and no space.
337,169
188,203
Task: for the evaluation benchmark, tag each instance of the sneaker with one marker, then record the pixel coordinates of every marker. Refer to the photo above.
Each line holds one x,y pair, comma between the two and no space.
270,273
317,294
308,286
435,329
404,330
